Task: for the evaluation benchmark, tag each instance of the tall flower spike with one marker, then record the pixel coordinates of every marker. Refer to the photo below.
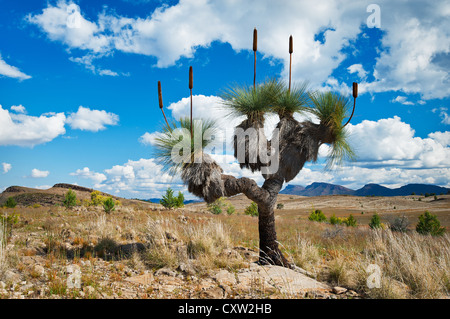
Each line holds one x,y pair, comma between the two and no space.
255,48
161,103
291,50
355,95
191,85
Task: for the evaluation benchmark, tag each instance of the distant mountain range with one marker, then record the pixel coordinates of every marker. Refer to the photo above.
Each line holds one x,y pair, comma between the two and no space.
318,189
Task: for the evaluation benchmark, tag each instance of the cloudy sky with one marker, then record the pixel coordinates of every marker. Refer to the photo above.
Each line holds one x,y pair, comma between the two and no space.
78,84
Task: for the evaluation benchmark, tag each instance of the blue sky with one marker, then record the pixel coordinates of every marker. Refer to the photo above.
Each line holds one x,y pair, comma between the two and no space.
78,84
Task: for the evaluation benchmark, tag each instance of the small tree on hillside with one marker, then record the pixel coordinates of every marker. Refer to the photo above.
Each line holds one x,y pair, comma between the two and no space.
375,221
10,202
429,224
109,205
70,199
170,201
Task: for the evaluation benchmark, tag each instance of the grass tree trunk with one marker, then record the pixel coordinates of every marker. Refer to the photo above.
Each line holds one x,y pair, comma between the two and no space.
268,244
266,198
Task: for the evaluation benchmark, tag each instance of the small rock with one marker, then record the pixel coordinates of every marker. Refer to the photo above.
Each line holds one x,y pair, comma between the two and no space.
212,293
225,278
230,253
171,236
11,277
339,290
89,290
165,272
131,235
186,268
38,269
352,293
145,279
183,219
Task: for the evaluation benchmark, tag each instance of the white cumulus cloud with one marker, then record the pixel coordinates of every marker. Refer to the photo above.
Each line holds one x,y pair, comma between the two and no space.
91,120
95,177
417,36
18,109
25,130
11,71
35,173
6,167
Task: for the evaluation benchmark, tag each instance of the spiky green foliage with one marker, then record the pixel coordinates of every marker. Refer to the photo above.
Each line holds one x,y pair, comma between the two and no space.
429,224
109,205
317,216
288,102
170,201
70,200
252,210
375,221
331,109
10,203
179,136
252,102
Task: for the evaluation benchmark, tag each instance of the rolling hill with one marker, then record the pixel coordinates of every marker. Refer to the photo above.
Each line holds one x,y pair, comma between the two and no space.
55,195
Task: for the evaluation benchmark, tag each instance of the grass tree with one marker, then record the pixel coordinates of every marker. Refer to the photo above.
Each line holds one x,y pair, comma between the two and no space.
292,144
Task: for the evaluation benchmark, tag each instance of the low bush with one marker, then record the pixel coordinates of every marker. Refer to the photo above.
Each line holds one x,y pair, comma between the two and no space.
252,210
10,203
317,216
170,201
429,225
336,220
70,199
109,205
375,221
217,206
350,221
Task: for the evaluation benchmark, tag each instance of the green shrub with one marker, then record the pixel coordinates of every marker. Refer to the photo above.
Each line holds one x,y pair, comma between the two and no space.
170,201
180,200
375,221
429,224
335,220
10,203
350,221
217,206
252,210
280,206
231,210
317,216
70,200
97,199
109,205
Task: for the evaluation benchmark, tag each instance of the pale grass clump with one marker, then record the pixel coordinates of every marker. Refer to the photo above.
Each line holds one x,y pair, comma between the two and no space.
411,264
210,238
306,255
205,242
105,227
160,253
